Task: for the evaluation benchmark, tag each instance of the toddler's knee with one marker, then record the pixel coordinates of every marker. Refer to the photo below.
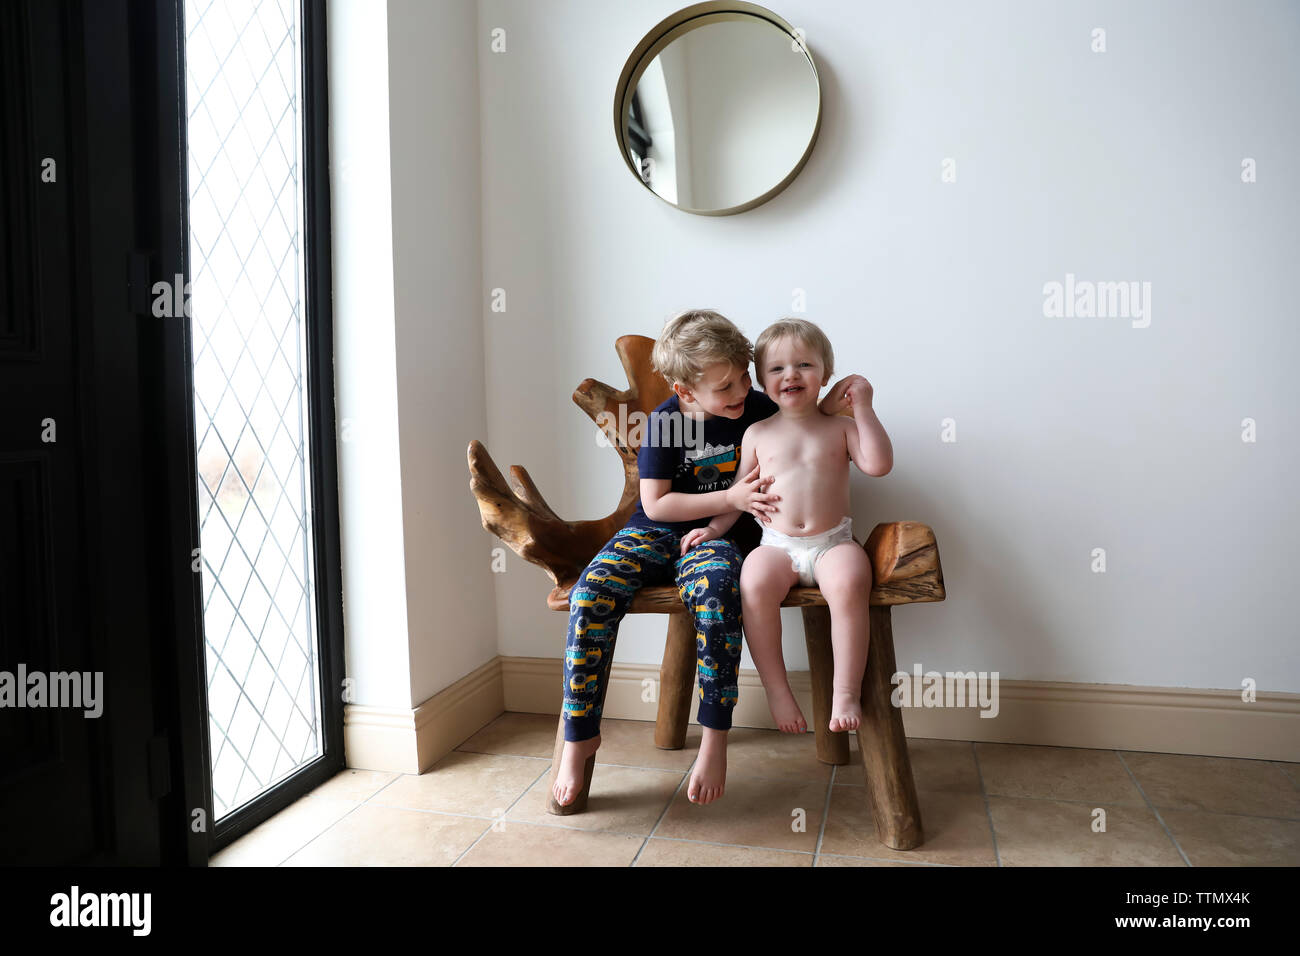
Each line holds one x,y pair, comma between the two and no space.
763,583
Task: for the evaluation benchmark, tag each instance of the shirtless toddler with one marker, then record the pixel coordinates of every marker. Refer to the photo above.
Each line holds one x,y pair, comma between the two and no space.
807,538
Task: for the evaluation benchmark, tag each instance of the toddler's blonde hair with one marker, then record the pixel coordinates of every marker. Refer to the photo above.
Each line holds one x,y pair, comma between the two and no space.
694,339
803,330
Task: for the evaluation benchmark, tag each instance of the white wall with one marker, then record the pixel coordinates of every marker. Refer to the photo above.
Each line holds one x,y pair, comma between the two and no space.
1073,434
437,266
409,344
370,492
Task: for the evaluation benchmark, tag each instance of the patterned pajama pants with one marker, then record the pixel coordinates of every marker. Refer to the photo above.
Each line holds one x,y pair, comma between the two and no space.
707,579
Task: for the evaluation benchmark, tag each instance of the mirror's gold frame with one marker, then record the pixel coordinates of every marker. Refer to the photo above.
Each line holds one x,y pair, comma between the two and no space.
669,29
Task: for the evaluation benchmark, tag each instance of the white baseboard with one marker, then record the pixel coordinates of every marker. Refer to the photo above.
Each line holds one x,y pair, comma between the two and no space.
411,741
1214,723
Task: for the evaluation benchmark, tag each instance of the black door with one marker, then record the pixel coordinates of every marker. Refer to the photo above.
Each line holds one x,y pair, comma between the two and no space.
96,493
100,579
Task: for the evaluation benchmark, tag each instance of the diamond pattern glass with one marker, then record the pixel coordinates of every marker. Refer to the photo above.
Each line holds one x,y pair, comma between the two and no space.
242,70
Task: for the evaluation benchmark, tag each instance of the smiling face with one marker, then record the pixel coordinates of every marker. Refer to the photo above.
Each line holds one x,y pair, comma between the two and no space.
721,390
792,374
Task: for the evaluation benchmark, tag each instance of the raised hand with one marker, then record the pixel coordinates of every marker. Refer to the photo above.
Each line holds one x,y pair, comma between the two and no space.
859,393
836,400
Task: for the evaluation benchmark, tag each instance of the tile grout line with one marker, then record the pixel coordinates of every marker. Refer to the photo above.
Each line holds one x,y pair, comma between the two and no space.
550,760
573,829
333,824
668,806
383,788
988,812
826,812
1295,784
738,846
599,763
1112,803
884,859
360,804
545,770
1152,808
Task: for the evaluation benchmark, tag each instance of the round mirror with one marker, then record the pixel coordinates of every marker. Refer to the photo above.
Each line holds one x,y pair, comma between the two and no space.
718,107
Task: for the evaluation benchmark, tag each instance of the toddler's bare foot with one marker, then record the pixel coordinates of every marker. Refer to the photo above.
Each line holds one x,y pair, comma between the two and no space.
709,776
846,711
785,711
573,769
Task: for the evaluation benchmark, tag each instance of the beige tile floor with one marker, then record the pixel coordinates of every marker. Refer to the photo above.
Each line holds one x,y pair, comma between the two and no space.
981,805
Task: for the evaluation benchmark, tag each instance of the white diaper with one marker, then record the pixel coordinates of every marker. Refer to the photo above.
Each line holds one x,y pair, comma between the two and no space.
805,551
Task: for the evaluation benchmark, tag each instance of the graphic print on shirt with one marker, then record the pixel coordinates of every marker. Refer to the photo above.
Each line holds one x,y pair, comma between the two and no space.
714,466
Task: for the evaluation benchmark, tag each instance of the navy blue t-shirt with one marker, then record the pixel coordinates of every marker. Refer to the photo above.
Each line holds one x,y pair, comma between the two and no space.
698,458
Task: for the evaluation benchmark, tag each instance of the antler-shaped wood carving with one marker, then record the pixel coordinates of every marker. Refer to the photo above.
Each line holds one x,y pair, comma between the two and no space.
517,513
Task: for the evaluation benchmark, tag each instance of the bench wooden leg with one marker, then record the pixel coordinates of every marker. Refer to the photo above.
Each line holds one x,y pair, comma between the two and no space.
676,683
832,747
883,744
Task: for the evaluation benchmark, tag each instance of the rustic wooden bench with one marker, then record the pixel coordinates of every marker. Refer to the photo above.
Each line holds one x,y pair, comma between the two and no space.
904,559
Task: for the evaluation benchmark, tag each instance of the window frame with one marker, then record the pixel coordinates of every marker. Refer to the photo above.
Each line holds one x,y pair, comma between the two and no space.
322,464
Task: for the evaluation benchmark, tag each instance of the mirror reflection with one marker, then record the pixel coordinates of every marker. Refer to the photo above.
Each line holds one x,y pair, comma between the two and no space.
723,115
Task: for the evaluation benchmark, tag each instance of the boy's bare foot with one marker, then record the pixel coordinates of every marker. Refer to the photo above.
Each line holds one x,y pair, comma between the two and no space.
846,711
709,776
785,711
573,767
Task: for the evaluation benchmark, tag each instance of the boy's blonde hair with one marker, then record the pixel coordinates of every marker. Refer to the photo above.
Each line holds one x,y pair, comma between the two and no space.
803,330
695,339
